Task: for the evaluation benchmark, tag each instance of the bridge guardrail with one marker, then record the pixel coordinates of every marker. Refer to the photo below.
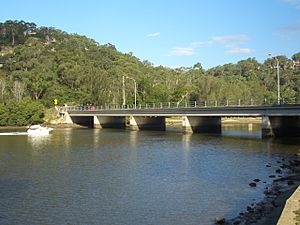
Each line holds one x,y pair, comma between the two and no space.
184,104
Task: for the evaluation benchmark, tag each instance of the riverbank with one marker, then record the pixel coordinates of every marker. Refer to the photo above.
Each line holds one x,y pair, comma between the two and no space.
269,210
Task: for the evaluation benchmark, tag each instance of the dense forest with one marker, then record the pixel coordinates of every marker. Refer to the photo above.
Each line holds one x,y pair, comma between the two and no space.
39,64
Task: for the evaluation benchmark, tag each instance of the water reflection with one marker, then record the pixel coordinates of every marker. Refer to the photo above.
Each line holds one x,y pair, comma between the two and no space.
251,130
133,135
186,140
66,137
39,142
96,136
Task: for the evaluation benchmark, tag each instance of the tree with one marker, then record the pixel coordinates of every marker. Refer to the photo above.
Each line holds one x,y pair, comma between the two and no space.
18,90
296,57
2,89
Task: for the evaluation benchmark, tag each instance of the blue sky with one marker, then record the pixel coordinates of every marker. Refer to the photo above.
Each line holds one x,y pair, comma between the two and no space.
174,33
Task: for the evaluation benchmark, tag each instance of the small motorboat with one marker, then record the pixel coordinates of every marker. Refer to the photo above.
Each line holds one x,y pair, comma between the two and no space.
39,130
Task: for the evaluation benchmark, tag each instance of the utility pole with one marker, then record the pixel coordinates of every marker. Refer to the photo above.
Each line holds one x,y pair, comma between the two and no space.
124,101
278,82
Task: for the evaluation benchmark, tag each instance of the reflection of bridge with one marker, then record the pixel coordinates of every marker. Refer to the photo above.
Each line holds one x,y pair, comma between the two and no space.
283,120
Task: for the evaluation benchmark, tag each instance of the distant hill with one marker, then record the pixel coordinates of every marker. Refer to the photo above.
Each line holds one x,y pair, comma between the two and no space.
43,63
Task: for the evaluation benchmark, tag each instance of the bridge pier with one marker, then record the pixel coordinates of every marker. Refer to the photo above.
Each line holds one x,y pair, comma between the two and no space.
109,122
147,123
201,124
266,128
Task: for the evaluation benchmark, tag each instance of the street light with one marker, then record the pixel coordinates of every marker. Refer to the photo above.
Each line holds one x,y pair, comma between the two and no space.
135,87
278,80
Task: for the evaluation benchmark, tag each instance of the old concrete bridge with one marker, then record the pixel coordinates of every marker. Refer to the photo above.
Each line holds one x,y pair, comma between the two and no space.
279,120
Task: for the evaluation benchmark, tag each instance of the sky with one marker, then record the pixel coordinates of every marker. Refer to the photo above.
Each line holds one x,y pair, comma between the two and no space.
174,33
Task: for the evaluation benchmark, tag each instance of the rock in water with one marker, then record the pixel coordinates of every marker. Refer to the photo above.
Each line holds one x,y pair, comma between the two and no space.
252,184
220,220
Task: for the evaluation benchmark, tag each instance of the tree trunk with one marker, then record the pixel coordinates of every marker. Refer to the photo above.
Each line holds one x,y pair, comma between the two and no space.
13,38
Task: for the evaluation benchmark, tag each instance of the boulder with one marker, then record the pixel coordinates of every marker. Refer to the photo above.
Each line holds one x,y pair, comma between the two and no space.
219,220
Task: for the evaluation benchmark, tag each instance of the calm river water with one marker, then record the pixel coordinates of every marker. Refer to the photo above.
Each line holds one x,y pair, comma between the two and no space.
122,177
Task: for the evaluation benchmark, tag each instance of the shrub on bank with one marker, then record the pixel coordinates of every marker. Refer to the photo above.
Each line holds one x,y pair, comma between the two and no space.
25,112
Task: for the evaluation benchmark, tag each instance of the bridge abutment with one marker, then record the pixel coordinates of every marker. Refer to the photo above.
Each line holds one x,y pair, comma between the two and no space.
147,123
67,118
202,124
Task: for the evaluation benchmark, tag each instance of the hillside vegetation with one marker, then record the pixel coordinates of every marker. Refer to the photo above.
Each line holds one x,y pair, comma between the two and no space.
44,63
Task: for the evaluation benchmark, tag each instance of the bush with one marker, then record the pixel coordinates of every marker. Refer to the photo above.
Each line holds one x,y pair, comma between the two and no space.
21,113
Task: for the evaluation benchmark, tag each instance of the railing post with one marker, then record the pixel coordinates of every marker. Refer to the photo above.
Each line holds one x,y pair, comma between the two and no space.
227,102
169,105
185,104
161,105
216,103
195,104
205,105
146,106
153,105
251,101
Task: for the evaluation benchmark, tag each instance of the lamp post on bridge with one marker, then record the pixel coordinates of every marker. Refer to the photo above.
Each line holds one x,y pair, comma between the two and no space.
278,79
135,90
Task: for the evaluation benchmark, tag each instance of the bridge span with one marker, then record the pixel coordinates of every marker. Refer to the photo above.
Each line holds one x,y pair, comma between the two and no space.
279,120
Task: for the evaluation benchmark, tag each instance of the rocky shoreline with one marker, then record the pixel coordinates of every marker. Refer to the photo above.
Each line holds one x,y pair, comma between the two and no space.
268,211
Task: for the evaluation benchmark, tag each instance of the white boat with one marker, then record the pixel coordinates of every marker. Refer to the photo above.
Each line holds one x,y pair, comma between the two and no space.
38,130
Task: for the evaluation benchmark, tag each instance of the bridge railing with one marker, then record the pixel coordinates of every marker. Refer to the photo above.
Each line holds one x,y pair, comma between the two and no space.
182,104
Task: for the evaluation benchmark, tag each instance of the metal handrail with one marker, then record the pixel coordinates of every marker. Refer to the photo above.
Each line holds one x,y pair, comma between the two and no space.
184,104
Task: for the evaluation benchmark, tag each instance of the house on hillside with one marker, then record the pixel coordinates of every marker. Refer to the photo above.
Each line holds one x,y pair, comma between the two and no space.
296,64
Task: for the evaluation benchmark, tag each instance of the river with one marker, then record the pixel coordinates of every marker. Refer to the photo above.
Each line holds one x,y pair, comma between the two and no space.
120,177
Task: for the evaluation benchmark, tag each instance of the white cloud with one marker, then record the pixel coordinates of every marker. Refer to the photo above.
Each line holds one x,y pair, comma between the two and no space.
295,3
180,51
153,34
233,49
293,28
198,44
230,39
289,32
230,42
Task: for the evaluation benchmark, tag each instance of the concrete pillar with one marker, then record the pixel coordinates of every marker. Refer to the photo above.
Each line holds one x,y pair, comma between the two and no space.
285,126
133,124
147,123
109,122
187,128
202,124
97,122
266,129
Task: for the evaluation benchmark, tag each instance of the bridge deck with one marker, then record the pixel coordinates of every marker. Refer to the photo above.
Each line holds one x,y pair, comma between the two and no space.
250,111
